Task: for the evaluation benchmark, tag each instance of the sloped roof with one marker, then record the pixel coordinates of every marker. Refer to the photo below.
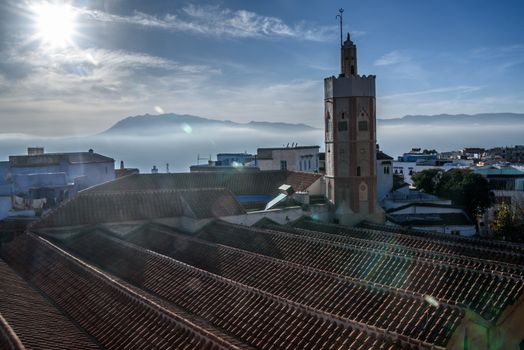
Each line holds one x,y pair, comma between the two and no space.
383,156
33,319
312,285
113,313
239,183
95,208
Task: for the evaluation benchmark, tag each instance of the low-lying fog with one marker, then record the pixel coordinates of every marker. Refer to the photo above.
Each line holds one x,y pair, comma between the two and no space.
181,149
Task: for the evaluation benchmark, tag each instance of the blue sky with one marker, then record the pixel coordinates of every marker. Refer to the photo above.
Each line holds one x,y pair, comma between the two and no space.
247,60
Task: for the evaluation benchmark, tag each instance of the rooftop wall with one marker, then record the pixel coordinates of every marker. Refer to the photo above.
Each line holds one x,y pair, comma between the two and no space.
349,86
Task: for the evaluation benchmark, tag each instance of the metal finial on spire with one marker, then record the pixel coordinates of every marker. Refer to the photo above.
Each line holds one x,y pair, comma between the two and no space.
339,16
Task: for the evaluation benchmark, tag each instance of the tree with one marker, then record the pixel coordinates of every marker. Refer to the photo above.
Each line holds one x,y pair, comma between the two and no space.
426,180
462,186
508,222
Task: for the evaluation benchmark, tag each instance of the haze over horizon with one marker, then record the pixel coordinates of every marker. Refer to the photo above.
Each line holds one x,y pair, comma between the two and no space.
247,61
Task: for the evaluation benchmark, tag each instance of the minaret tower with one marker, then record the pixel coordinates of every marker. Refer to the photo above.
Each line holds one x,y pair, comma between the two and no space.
350,133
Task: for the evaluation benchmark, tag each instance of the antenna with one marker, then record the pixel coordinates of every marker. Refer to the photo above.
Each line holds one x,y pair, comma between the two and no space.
340,10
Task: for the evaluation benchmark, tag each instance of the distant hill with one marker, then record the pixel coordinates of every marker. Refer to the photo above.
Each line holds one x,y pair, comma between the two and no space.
483,119
173,123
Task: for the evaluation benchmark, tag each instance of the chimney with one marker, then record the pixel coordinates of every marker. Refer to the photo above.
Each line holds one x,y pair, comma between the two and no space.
122,164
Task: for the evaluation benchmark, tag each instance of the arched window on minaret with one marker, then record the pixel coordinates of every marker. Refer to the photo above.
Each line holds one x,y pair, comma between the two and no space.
358,171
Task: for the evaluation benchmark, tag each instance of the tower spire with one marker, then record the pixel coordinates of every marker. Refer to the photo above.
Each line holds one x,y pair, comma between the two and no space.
339,16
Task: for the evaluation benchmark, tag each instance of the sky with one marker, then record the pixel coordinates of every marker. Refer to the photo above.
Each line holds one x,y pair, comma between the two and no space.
101,61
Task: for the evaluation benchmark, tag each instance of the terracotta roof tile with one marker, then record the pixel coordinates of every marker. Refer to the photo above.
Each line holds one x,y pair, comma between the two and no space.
107,310
260,182
444,281
36,322
347,298
96,208
261,320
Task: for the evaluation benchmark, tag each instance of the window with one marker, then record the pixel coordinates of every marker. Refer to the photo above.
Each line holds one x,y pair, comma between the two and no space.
309,163
300,165
358,171
342,126
363,125
283,165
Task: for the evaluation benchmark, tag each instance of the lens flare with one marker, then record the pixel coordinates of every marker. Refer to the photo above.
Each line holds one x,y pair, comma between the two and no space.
55,23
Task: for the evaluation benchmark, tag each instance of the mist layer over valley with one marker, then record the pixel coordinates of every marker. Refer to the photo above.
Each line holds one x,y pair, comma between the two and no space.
144,141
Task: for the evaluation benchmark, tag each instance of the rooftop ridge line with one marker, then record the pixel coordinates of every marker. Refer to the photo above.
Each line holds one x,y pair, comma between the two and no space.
426,251
158,190
9,335
376,227
115,284
398,291
368,329
448,243
376,251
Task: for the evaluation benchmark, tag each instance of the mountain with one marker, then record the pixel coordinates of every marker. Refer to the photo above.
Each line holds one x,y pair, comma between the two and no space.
173,123
483,119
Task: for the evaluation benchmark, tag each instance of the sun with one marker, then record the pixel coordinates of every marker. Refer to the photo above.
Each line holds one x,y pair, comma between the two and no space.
54,23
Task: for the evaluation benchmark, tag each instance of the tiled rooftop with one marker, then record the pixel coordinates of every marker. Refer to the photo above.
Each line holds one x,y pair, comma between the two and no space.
95,208
259,319
240,183
486,293
113,315
347,298
99,273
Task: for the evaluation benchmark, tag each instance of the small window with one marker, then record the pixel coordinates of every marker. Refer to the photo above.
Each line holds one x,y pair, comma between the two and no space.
342,126
309,163
363,125
358,171
385,170
283,165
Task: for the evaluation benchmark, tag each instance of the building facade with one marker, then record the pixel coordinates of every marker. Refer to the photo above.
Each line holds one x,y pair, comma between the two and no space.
350,136
40,180
294,158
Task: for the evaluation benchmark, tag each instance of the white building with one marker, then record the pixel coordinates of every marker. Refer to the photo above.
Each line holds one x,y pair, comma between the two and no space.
294,158
42,180
384,168
424,211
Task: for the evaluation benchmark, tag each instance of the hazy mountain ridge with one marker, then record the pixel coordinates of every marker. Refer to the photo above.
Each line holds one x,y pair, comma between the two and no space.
169,123
173,123
457,119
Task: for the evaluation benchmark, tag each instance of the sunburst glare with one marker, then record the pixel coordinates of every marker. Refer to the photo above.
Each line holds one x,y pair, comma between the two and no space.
55,23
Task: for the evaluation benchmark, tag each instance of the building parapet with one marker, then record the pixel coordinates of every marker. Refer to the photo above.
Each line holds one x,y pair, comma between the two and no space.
352,85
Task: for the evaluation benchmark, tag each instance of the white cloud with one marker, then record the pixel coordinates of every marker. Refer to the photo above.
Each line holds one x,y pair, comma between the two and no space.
393,57
463,89
221,22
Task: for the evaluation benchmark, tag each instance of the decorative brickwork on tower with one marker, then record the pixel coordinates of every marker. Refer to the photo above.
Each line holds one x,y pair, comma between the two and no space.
350,122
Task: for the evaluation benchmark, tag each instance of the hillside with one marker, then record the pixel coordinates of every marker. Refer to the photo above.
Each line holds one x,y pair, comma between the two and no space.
173,123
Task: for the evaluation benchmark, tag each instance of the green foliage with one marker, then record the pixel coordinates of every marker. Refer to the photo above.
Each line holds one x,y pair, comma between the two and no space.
462,186
508,222
426,180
